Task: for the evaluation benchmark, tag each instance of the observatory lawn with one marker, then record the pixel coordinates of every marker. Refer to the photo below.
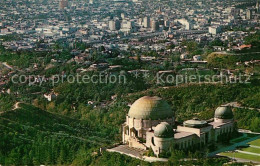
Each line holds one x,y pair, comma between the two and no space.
254,149
241,156
255,142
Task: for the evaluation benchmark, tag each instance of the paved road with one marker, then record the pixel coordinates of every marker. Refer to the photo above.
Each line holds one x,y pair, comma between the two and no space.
237,54
124,149
237,105
247,131
251,153
244,160
154,159
253,146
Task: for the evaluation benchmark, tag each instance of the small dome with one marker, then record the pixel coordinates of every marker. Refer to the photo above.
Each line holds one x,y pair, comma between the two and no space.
195,123
153,108
224,112
163,130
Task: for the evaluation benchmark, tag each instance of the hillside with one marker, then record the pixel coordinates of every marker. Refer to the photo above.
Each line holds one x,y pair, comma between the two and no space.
30,135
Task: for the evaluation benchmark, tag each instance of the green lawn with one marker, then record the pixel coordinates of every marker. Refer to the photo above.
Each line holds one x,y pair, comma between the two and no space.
242,156
255,142
251,149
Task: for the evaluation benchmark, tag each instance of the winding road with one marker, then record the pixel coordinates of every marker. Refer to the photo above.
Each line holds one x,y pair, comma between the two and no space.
237,105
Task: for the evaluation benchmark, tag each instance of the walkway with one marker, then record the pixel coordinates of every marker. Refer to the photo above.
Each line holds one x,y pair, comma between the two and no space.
135,153
124,149
253,146
245,152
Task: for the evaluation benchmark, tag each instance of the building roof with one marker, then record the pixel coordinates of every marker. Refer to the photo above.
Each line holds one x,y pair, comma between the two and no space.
153,108
163,130
224,112
218,124
182,134
195,123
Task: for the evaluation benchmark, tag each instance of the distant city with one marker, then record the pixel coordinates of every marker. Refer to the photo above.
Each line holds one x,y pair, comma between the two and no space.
110,23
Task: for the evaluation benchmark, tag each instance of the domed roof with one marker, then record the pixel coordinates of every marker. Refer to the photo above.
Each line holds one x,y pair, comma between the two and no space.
153,108
163,130
224,112
195,123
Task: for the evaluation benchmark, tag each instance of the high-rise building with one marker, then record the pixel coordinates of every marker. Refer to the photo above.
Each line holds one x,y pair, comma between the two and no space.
214,30
185,23
257,6
126,24
155,25
123,15
249,14
117,24
147,22
63,4
114,25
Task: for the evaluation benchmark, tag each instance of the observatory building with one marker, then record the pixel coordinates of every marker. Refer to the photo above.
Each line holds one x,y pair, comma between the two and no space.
150,123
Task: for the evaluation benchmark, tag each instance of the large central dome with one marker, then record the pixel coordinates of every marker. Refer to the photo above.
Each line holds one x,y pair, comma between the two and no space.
153,108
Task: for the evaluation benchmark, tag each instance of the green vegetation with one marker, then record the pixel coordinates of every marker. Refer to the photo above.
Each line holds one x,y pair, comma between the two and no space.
108,159
254,39
251,149
248,119
6,102
255,142
32,136
221,60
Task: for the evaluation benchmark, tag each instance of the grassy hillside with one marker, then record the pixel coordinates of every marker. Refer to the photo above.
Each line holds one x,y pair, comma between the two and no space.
30,135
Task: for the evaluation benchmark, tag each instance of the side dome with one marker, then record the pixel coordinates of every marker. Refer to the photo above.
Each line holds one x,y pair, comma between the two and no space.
153,108
224,112
163,130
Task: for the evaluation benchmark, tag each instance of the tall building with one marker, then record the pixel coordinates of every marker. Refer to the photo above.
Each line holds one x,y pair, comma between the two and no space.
257,6
114,25
117,24
63,4
123,15
147,22
155,25
111,25
249,14
214,30
186,23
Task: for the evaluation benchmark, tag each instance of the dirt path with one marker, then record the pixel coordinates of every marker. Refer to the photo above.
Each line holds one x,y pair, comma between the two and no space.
16,105
8,66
